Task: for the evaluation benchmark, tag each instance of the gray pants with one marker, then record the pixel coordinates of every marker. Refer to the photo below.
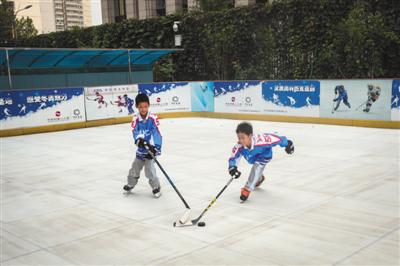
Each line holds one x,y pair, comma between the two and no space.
149,171
255,175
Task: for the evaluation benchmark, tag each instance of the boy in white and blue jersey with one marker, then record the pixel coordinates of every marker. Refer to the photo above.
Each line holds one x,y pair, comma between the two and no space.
147,137
257,150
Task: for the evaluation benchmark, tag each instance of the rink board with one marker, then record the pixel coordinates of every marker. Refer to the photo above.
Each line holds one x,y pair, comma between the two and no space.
299,101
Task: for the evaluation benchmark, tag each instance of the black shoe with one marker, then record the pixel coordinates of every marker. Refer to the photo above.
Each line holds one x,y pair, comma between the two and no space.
127,188
157,192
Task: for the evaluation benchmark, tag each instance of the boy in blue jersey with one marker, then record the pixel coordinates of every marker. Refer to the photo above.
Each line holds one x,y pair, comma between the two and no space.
257,150
146,134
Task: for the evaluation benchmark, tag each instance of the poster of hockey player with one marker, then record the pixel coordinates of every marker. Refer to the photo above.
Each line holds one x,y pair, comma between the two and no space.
356,99
202,96
237,97
110,101
395,102
294,98
168,97
29,108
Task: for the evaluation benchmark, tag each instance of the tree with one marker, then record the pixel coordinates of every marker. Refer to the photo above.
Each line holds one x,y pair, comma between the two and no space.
6,21
24,28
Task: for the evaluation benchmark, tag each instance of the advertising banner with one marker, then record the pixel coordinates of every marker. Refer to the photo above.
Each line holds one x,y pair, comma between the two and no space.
395,102
168,97
356,99
202,96
110,101
293,98
29,108
237,97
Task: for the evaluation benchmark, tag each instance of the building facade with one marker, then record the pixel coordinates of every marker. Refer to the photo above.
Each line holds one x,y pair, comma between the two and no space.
118,10
55,15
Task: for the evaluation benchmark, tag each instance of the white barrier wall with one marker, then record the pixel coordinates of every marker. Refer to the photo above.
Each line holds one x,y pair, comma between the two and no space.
302,98
168,97
357,97
292,97
30,108
238,97
110,101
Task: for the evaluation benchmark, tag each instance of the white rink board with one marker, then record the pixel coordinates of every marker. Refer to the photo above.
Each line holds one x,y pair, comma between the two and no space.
357,97
32,108
237,97
117,101
168,97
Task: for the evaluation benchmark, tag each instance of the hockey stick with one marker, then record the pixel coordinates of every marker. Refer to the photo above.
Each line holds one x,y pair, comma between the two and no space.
185,217
333,107
361,105
195,221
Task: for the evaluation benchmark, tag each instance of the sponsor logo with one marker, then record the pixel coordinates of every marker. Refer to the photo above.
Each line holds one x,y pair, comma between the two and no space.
175,100
77,114
58,118
248,101
159,103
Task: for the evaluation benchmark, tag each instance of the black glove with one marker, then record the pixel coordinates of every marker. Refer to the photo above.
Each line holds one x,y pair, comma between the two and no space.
289,148
151,149
140,142
233,171
148,156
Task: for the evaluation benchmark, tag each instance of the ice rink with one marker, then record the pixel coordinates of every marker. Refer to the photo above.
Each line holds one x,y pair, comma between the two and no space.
335,201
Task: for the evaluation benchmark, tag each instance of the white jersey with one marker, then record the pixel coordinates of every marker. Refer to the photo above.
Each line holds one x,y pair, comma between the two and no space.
374,91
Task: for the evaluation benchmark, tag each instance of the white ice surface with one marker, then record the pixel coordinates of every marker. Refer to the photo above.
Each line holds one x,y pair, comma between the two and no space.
334,202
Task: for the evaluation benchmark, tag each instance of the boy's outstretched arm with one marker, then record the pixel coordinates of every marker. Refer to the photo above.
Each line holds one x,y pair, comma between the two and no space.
282,141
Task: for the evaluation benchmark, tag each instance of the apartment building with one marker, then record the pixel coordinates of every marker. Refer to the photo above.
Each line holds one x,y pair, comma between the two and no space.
55,15
118,10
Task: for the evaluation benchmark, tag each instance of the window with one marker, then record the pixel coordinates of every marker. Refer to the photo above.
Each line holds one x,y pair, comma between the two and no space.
184,5
160,8
120,12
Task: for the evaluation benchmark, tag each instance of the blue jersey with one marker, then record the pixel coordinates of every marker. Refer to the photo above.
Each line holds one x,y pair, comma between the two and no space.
129,101
341,90
148,129
260,150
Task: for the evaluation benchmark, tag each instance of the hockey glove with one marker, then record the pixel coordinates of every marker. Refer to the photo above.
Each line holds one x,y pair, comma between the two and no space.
149,156
289,148
140,142
233,171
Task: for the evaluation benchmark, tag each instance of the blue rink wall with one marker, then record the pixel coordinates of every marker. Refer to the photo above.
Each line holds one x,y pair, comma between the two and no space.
309,101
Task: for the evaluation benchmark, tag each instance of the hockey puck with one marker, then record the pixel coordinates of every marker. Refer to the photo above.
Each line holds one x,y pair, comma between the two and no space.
201,224
174,224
